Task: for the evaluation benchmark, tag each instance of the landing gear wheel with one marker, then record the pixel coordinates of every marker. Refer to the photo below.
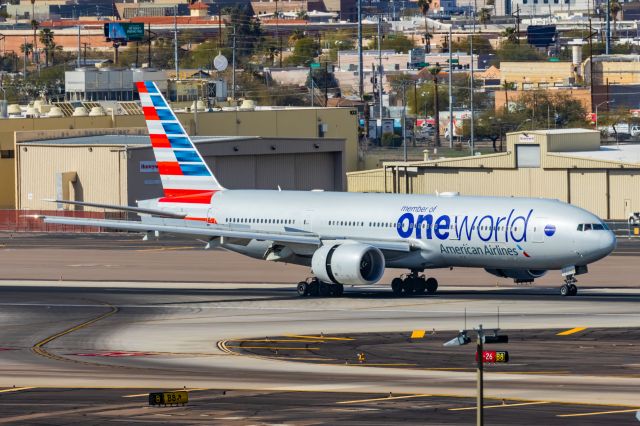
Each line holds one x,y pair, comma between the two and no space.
396,286
419,286
407,287
314,288
338,290
573,290
432,285
565,291
303,289
325,289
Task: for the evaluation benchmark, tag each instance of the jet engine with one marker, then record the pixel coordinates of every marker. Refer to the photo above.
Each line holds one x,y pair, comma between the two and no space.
348,263
518,275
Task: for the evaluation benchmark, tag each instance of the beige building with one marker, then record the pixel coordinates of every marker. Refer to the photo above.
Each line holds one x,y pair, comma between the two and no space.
565,164
277,122
104,166
537,75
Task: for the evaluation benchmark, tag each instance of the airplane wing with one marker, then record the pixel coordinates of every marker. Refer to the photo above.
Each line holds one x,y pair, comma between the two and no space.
200,229
153,212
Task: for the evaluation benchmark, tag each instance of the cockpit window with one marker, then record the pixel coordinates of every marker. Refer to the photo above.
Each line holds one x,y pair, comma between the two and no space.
593,227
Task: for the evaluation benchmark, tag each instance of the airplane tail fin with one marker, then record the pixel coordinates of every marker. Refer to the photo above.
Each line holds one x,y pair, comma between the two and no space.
183,172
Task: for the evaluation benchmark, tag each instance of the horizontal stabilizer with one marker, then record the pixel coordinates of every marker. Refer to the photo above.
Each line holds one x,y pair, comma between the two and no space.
153,212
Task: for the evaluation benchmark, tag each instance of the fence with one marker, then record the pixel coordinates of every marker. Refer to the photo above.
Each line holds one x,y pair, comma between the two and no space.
27,220
624,229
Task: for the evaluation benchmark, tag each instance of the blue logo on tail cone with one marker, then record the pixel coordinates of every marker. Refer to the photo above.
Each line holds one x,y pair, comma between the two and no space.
549,230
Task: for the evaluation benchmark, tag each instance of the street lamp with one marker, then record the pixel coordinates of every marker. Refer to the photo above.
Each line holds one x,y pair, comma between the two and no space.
601,103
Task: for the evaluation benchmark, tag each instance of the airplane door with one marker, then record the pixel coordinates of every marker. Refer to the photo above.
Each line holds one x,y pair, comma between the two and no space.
307,220
536,229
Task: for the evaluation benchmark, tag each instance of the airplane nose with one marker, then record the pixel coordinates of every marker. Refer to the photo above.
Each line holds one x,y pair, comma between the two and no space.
607,242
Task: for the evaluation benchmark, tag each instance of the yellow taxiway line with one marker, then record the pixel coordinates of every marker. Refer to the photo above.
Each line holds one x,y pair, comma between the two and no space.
17,389
519,404
598,413
318,337
283,348
571,331
386,398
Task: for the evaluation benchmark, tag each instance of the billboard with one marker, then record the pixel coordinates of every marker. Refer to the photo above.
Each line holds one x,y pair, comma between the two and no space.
124,31
541,35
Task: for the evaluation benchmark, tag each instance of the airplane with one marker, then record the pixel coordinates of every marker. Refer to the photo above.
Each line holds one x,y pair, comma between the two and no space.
351,238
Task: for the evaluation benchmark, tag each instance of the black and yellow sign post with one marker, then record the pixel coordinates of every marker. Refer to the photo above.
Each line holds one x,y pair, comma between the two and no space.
168,398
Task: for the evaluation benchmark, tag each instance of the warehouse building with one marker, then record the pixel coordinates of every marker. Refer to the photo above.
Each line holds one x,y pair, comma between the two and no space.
564,164
292,123
119,168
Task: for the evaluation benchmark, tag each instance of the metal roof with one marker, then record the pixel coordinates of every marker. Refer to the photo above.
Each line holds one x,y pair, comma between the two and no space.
618,153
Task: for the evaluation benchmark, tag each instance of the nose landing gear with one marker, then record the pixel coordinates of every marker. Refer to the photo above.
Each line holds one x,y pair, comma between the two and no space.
413,283
569,288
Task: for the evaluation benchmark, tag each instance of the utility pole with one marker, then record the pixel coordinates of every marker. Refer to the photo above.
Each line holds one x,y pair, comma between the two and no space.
24,64
450,90
175,41
518,24
278,35
219,25
360,57
473,31
380,68
79,46
149,46
480,386
233,66
607,45
326,84
404,121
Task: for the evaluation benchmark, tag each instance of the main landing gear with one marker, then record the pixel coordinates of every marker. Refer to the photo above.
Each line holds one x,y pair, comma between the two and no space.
413,283
569,288
315,287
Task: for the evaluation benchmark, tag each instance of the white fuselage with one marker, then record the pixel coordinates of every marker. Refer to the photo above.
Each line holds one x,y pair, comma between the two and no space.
444,231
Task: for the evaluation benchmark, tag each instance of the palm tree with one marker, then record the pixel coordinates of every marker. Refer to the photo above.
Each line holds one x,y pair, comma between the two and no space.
616,8
46,38
506,86
424,6
26,49
434,71
34,25
484,16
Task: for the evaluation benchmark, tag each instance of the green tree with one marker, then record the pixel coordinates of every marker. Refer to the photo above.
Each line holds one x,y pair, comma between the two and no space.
480,45
397,42
510,35
518,52
424,6
615,8
248,32
484,16
47,40
304,51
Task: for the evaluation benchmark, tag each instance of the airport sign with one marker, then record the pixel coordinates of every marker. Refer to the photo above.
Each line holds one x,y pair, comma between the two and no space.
169,398
494,356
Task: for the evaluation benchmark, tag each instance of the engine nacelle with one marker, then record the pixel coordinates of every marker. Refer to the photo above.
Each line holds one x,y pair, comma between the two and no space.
348,263
518,275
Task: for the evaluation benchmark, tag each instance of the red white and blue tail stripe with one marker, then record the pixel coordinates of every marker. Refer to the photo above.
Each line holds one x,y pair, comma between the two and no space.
185,176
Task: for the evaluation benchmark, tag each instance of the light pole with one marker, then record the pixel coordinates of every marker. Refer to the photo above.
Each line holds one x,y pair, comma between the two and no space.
522,124
601,103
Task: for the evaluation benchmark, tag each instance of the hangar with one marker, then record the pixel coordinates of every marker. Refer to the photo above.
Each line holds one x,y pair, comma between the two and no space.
118,167
565,164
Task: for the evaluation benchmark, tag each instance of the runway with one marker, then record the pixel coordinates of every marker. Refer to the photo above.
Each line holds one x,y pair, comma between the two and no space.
123,337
